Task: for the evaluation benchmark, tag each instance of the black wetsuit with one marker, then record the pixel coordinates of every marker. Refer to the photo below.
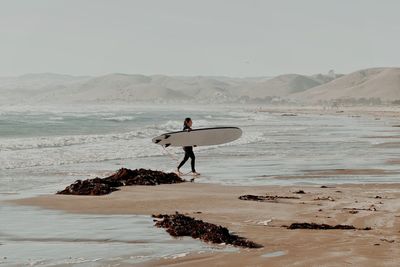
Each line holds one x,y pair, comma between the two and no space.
188,153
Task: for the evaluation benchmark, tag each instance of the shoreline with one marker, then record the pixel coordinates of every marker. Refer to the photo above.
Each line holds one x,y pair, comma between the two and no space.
262,222
376,112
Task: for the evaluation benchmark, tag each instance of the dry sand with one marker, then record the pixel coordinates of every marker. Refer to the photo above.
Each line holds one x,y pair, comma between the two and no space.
378,208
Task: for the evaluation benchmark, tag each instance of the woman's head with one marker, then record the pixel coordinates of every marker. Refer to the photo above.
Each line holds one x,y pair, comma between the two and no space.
187,122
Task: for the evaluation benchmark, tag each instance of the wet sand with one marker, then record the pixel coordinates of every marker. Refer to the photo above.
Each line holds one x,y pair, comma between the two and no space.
307,174
372,205
376,112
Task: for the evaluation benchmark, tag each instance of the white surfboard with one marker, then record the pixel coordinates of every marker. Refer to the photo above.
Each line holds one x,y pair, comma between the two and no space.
199,137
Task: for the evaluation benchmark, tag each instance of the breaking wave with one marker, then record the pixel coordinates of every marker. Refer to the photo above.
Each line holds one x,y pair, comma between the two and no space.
119,118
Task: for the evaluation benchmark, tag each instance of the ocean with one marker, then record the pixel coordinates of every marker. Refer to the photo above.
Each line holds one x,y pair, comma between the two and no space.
44,149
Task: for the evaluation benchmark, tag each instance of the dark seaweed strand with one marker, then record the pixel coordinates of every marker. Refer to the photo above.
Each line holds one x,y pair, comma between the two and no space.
316,226
123,177
182,225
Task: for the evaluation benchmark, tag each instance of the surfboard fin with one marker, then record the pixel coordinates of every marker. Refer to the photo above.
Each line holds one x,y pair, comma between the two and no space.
157,141
166,136
167,145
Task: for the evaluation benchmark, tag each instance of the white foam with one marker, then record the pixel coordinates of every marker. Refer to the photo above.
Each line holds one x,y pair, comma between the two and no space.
176,256
71,149
61,150
56,118
119,118
69,140
169,126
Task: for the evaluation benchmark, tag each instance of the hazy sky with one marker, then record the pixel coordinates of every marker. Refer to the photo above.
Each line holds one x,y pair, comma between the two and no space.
204,37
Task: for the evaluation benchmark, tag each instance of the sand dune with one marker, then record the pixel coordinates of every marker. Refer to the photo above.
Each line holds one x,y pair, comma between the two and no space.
281,86
383,83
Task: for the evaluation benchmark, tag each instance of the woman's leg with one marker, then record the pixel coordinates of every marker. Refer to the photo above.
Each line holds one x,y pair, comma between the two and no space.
193,158
183,161
185,158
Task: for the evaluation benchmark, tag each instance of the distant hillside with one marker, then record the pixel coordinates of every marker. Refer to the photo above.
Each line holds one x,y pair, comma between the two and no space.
382,83
39,81
283,85
376,83
27,88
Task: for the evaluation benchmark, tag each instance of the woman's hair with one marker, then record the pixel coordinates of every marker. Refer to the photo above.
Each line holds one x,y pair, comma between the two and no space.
186,121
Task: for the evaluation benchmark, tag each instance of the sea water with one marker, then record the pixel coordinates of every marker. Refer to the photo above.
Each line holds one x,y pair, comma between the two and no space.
44,149
50,148
36,237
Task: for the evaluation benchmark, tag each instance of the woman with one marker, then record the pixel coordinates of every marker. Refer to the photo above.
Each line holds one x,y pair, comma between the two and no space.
187,126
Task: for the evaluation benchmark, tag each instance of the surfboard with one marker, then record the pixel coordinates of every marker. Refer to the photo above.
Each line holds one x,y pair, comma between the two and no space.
199,137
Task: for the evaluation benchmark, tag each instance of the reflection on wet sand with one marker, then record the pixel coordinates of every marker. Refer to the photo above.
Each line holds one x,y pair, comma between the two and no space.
333,173
383,136
388,145
393,161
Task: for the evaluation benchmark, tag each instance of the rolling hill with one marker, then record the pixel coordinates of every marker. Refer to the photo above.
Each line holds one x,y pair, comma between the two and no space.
382,83
375,83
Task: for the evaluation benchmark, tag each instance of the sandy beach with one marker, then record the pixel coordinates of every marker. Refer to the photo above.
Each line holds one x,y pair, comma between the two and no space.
373,205
358,168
